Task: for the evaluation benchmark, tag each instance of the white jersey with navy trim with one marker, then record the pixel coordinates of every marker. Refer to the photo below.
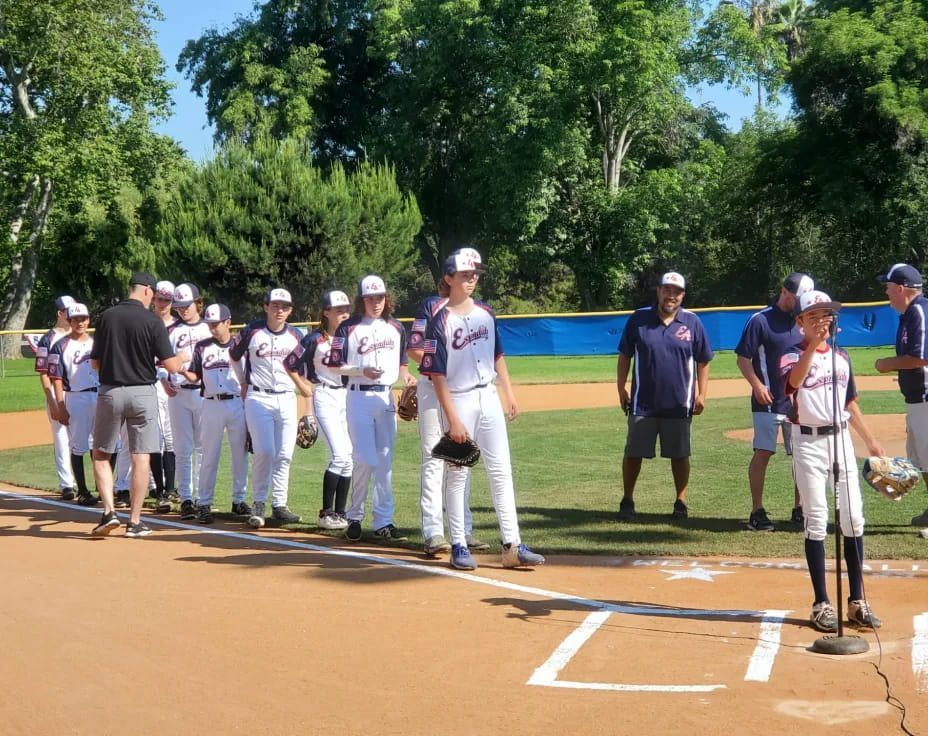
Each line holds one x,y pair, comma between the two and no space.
813,399
363,342
463,348
184,336
212,364
265,352
311,359
69,362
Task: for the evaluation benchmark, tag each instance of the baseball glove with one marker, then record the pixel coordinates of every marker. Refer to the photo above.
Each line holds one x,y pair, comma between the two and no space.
306,432
456,453
408,406
893,477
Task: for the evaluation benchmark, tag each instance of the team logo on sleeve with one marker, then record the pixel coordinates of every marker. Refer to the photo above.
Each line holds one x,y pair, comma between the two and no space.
427,361
338,343
419,325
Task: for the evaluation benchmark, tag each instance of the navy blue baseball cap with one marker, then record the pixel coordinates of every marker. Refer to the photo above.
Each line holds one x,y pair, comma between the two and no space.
904,275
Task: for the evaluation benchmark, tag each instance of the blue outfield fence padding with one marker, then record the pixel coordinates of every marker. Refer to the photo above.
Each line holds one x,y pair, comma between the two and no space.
861,325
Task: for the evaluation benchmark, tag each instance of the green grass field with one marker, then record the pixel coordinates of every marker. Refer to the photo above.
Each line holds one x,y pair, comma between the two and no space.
567,477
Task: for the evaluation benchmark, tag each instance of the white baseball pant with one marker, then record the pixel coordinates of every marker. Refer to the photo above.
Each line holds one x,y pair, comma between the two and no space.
221,417
82,408
164,417
62,451
330,407
186,410
482,415
272,424
812,467
372,426
432,471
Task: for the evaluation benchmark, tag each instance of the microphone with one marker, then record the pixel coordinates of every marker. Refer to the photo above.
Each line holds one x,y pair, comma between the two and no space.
833,325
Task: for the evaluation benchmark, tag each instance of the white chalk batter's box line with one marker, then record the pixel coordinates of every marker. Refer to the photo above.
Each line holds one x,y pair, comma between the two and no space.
759,667
898,569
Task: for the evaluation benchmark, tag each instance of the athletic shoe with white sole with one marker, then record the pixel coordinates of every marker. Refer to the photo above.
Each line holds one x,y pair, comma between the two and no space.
163,503
518,555
108,522
389,533
122,499
436,544
135,531
204,514
823,617
240,508
461,558
285,515
475,544
86,498
331,521
188,510
760,522
859,613
256,520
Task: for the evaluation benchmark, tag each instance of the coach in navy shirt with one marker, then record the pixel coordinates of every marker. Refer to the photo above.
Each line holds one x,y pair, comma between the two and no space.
767,335
904,291
671,355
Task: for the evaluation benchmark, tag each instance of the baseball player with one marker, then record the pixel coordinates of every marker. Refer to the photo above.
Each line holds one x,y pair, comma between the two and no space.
163,463
323,393
370,348
186,401
815,387
432,470
904,291
463,356
765,337
59,433
270,409
223,411
76,384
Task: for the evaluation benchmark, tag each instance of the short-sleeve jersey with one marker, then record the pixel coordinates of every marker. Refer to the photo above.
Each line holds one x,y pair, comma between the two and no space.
44,345
812,402
910,340
311,359
428,309
665,359
370,343
69,362
766,336
185,336
264,352
213,367
462,348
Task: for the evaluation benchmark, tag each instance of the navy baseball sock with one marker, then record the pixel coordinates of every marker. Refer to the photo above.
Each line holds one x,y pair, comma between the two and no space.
329,488
854,559
815,559
77,468
170,465
341,493
157,471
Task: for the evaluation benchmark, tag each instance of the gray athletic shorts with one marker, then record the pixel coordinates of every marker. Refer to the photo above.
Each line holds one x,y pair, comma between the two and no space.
766,426
137,406
643,433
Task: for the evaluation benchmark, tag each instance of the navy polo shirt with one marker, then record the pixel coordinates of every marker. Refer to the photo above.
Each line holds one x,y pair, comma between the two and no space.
910,340
767,335
665,358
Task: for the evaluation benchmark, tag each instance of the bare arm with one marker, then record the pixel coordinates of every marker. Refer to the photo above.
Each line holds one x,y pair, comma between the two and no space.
702,387
502,374
900,363
761,392
172,364
405,376
62,414
621,379
415,355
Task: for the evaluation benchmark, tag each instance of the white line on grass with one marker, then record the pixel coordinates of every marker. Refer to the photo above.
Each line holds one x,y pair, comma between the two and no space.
920,652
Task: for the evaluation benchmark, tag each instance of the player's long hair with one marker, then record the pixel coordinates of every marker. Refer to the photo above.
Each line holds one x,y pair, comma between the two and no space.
359,310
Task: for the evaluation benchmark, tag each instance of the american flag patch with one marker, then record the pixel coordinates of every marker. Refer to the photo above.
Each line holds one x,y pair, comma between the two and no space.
419,325
429,346
338,343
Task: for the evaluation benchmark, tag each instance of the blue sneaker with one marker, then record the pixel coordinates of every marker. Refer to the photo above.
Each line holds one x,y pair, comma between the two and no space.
518,555
461,558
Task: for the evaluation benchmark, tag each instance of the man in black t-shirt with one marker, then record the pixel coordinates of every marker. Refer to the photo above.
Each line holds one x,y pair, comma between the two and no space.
129,339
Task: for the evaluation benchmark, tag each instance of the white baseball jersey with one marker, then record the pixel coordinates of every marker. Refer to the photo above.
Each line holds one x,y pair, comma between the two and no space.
370,343
463,348
813,401
69,362
184,336
265,352
311,359
212,364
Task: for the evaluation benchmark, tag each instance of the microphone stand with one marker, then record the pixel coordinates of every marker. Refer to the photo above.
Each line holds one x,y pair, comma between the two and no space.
839,644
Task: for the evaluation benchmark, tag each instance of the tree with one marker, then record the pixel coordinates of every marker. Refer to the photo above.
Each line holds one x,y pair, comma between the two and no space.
79,84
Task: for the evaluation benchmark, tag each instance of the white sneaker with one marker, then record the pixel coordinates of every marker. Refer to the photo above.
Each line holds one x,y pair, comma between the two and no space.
331,520
256,520
518,555
436,544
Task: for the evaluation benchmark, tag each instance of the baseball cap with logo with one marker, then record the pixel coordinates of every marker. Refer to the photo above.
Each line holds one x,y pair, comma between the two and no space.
798,283
63,302
78,310
372,286
464,259
817,300
278,295
904,275
335,298
185,295
165,290
672,278
143,278
217,313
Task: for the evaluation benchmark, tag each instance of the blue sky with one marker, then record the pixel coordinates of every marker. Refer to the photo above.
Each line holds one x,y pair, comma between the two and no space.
187,19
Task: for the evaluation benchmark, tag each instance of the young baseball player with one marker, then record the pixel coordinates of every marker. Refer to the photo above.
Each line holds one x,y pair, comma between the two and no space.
59,433
463,355
223,411
815,387
370,348
432,470
323,393
162,463
270,408
186,403
76,384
